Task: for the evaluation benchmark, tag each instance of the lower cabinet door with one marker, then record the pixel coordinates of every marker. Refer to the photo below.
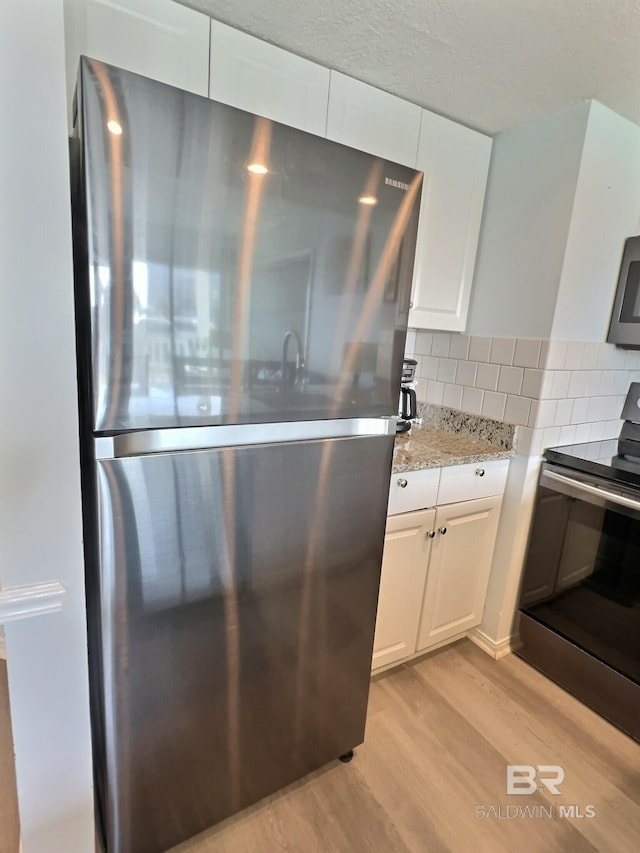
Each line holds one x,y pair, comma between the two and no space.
461,557
404,571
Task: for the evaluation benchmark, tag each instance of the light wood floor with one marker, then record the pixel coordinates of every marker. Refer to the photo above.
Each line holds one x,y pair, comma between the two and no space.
440,733
9,826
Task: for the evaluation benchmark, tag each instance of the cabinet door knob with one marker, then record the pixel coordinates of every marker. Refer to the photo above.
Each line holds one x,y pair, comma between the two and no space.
442,530
480,472
402,483
431,534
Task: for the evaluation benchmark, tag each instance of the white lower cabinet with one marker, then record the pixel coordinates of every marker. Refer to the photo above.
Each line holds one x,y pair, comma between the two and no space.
437,560
404,570
459,569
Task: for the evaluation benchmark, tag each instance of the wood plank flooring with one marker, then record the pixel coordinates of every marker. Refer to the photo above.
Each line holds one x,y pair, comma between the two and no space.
9,825
440,733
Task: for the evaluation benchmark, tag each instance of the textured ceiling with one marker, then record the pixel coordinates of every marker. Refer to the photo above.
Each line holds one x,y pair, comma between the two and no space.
490,64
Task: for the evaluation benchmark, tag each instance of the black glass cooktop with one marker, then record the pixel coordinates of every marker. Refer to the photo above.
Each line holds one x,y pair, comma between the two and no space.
597,457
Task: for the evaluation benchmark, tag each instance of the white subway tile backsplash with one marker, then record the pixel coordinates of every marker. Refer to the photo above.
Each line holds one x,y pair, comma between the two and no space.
576,383
527,352
546,413
459,346
466,373
579,410
550,437
563,412
410,344
631,359
573,358
560,384
547,382
427,366
590,353
510,379
555,392
597,431
532,382
601,408
472,400
487,376
592,382
567,434
435,392
502,350
620,382
524,439
582,433
493,405
423,343
479,349
517,409
440,344
452,396
557,355
544,354
447,369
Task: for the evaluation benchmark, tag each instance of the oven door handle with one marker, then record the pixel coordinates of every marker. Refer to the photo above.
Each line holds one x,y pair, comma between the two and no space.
614,498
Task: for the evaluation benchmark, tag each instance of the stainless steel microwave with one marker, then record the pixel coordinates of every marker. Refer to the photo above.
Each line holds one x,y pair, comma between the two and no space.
624,329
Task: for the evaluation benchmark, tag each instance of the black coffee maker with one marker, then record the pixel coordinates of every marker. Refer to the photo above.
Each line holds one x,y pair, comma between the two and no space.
408,409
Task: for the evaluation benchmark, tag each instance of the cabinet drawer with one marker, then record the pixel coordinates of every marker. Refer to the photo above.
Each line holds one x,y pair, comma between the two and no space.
476,480
413,490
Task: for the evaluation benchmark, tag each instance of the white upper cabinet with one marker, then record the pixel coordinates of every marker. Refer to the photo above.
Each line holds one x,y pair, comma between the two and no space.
372,120
455,162
266,80
158,38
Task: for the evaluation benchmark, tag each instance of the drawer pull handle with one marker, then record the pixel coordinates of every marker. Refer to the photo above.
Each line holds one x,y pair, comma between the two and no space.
431,534
403,483
442,530
480,472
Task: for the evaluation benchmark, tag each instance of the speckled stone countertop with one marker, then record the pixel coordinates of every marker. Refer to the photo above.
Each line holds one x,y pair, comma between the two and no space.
451,438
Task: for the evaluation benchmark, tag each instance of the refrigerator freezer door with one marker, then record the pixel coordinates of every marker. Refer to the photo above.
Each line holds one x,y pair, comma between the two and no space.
235,600
230,269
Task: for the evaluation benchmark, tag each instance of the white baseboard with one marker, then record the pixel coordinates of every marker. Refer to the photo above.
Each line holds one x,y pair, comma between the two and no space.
494,649
3,650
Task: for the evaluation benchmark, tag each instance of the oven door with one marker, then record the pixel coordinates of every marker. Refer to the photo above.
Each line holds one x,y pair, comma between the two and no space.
582,574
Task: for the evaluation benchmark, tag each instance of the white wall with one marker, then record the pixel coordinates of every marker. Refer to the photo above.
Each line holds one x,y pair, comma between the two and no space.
606,210
530,192
40,523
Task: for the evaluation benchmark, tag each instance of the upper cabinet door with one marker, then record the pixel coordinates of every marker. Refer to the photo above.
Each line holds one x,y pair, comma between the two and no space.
266,80
372,120
455,161
157,38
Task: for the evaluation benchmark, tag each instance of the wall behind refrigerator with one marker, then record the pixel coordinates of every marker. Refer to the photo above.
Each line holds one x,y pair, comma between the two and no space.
40,522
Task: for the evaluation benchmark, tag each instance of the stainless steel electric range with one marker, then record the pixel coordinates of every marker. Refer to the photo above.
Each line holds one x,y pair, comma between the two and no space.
579,617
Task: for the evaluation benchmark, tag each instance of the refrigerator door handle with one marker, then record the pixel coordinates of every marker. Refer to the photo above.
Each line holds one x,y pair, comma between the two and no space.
200,438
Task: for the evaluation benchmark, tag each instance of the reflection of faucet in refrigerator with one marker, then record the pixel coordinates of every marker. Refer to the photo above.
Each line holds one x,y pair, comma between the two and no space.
298,375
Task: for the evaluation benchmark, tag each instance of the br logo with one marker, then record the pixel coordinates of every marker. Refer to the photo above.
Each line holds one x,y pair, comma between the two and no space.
521,778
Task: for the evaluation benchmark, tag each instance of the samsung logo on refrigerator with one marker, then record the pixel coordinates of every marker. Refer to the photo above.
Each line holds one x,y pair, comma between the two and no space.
399,184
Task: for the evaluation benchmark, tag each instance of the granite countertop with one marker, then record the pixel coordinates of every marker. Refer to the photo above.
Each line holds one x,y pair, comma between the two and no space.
433,447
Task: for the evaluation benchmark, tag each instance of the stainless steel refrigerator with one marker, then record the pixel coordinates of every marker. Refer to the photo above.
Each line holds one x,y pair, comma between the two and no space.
242,293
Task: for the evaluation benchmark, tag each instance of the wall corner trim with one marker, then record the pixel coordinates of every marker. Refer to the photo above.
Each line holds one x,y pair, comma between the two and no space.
495,649
22,602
